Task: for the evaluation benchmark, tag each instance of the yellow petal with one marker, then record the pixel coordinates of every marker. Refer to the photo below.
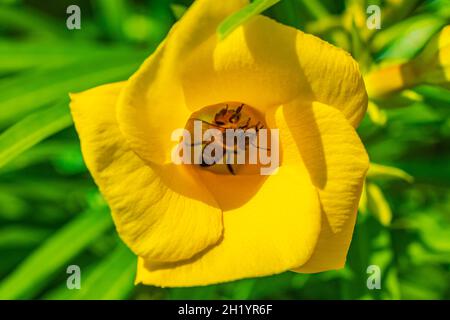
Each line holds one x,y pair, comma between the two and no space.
256,64
261,63
152,105
334,77
273,232
153,207
320,137
264,63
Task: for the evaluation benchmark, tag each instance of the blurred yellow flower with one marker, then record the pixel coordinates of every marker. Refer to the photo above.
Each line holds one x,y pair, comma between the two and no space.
191,226
431,66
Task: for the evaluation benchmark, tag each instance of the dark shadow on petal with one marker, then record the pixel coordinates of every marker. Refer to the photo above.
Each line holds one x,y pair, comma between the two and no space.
307,136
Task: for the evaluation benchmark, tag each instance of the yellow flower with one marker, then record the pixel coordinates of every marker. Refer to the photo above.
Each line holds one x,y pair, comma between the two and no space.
431,66
192,226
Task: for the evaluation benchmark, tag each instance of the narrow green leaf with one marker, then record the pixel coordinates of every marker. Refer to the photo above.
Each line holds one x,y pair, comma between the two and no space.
54,151
425,168
243,15
437,7
30,21
18,55
111,279
359,46
31,190
434,94
288,12
389,38
408,42
21,236
30,276
395,11
12,206
31,90
33,129
242,290
417,113
386,172
426,282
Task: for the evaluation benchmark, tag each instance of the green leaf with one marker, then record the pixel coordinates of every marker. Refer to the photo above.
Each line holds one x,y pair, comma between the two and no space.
33,129
437,7
21,236
288,12
31,90
243,289
315,8
395,11
111,279
242,16
408,42
12,206
386,172
31,275
427,282
434,95
54,151
430,169
415,115
359,46
18,55
112,14
31,190
30,21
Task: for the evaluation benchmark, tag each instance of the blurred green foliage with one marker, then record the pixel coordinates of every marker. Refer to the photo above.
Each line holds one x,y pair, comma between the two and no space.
52,216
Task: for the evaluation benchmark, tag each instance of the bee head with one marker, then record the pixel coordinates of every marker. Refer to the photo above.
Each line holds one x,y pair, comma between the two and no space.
225,116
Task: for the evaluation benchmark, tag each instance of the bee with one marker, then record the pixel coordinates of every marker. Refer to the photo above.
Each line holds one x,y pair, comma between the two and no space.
228,118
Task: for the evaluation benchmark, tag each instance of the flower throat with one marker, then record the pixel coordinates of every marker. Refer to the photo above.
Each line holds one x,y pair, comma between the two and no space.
229,138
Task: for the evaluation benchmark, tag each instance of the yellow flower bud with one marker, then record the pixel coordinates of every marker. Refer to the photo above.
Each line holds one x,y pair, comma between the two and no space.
431,66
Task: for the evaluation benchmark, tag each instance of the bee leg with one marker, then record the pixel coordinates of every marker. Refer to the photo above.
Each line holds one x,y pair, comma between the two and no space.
257,147
231,169
245,126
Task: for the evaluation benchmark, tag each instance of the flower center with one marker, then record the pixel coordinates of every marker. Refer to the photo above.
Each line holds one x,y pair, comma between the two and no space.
229,138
